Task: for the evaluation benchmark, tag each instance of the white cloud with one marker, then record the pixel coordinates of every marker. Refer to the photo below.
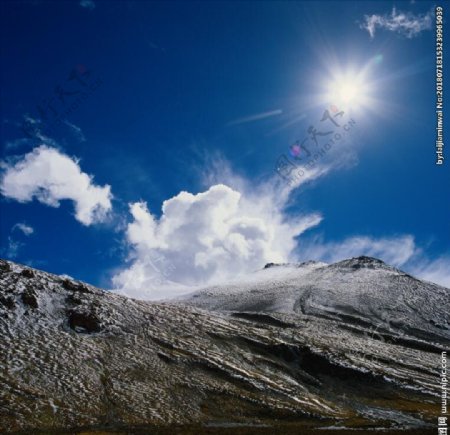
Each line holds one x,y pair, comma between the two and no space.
404,23
276,188
24,228
234,227
208,237
437,270
51,176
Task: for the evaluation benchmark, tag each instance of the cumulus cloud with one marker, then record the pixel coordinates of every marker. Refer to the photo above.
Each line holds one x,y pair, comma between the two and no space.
231,228
206,237
51,176
403,23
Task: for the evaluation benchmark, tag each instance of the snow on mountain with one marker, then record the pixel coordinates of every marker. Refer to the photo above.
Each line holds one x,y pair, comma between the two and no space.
288,350
362,289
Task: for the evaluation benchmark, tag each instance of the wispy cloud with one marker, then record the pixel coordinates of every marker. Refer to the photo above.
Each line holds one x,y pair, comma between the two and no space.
17,143
156,47
87,4
12,248
51,176
436,270
394,250
24,228
32,127
403,23
256,117
399,251
76,131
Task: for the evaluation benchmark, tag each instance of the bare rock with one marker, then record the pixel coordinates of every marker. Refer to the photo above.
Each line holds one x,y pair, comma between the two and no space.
82,321
29,298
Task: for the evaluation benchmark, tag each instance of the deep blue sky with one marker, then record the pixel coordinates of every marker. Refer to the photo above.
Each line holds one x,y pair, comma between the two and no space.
174,75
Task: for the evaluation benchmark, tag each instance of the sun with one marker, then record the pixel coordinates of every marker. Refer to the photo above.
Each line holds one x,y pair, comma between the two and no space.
351,86
347,91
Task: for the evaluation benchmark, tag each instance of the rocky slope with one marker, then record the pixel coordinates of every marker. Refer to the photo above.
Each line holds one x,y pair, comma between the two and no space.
291,349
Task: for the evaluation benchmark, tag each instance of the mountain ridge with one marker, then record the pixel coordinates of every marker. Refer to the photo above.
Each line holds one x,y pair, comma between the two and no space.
74,357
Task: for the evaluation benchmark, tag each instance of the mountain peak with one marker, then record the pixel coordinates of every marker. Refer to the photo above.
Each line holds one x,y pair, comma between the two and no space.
363,261
305,263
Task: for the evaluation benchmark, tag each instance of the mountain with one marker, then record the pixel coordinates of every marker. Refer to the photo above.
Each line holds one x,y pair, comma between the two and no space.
350,347
363,291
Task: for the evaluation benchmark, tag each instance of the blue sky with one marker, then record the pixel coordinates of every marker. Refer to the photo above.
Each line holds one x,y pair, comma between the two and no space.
181,96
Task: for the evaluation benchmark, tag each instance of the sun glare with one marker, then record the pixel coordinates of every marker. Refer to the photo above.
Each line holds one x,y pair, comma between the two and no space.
347,92
352,87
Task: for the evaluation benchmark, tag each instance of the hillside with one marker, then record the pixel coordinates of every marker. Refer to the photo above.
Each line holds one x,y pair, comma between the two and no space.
291,349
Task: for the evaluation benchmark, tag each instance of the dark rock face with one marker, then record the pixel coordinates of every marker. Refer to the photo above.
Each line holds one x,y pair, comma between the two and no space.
74,299
75,286
362,262
4,267
269,265
7,301
264,319
29,298
84,321
27,273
